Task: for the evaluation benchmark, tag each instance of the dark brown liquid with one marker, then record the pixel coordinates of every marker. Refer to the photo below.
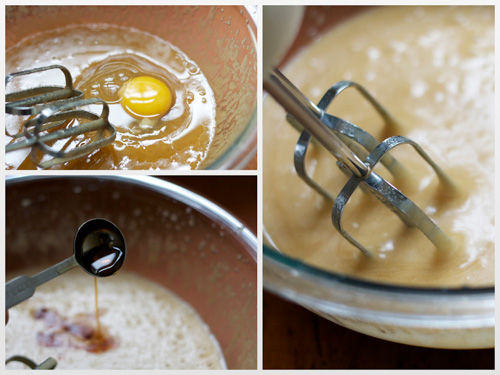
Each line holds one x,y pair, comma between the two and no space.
82,331
78,332
97,321
103,260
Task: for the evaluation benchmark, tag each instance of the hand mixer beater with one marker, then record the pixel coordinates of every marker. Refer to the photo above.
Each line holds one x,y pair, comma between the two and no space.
56,117
357,152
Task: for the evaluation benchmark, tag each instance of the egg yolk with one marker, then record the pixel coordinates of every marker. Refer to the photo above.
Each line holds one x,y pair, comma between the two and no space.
146,97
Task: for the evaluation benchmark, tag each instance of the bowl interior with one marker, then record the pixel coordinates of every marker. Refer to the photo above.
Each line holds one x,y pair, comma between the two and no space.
201,259
221,40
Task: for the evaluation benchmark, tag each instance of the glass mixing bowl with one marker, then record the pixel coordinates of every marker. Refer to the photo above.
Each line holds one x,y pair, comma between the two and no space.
221,40
460,318
174,237
431,317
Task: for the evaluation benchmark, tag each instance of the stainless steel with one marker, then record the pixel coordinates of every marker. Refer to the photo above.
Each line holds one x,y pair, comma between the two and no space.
310,116
23,287
55,115
357,153
49,364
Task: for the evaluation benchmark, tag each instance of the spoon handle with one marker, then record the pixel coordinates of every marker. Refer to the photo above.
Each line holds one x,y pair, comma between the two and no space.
23,287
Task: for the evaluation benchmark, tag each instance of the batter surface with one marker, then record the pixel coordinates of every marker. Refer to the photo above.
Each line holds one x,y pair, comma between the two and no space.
151,328
432,68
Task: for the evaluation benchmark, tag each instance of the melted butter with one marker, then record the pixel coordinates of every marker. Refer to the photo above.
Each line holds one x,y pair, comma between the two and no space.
433,69
101,59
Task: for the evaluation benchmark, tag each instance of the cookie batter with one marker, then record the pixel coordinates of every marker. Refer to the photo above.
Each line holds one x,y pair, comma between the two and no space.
432,68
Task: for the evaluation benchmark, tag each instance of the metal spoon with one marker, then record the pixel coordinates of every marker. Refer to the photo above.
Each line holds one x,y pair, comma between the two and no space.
99,248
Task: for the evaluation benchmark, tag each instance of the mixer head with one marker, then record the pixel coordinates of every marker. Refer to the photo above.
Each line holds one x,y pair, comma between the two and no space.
56,117
49,364
357,153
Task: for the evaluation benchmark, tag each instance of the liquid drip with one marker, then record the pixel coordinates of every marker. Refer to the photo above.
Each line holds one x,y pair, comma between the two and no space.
97,321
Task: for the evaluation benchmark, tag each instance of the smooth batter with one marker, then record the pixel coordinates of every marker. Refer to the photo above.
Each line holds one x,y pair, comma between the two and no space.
432,68
151,328
101,59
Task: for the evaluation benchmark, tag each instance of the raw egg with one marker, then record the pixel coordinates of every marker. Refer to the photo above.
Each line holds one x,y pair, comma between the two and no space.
146,97
160,103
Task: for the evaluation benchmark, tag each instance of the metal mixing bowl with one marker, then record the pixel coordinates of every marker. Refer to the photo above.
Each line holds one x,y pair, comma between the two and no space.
174,237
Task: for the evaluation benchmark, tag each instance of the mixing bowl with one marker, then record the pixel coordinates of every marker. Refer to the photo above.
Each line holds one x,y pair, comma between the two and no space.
174,238
458,318
221,40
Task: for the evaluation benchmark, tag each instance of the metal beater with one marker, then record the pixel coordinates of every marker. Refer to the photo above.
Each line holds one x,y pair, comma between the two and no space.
357,153
49,364
54,115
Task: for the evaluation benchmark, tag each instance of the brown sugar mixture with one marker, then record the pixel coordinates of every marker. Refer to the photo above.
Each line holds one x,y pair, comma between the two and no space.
432,68
102,60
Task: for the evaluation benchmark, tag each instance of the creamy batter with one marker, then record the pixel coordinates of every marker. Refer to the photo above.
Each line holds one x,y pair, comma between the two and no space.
432,68
148,326
101,59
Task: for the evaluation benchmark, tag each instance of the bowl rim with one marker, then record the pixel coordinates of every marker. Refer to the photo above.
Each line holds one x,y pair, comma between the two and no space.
338,296
244,147
171,190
